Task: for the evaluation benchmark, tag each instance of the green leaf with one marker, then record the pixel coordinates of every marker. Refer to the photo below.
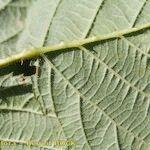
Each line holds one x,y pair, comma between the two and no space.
94,91
4,3
22,3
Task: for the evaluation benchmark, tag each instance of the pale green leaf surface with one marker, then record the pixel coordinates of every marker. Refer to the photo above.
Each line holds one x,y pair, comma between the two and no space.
12,22
98,94
21,3
35,33
4,3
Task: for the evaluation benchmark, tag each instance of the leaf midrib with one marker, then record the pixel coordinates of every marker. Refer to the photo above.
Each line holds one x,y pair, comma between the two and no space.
35,52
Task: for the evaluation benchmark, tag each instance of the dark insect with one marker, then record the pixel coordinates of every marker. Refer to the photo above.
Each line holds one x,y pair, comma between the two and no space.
25,68
22,67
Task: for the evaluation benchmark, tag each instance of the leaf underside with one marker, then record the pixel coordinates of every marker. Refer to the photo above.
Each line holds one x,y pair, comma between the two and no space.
97,94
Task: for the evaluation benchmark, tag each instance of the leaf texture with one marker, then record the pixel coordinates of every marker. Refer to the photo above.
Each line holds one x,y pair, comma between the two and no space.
4,3
97,94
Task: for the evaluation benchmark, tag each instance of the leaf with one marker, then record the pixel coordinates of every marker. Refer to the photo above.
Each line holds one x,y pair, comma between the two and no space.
22,3
4,3
95,94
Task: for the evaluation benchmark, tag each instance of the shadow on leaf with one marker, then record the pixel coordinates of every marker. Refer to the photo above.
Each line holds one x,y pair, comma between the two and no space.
15,90
19,68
